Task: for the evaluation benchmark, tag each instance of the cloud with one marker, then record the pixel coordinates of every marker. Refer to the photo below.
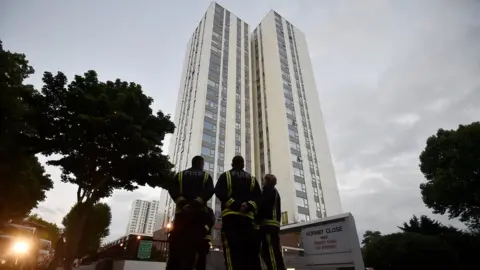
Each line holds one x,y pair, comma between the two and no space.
401,78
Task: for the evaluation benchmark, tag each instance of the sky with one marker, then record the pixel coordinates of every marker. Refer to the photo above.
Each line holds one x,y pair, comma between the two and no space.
389,74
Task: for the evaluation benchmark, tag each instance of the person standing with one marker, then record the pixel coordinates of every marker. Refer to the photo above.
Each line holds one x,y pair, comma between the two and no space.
191,189
270,214
238,192
201,262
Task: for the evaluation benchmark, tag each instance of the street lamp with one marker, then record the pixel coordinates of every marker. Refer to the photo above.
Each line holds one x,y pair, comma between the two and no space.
169,225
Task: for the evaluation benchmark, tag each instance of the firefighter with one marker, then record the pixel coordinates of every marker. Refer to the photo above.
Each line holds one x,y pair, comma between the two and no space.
270,214
190,190
238,192
201,262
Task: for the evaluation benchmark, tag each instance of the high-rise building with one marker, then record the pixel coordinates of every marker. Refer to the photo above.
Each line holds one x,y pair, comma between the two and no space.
290,137
257,103
142,217
214,107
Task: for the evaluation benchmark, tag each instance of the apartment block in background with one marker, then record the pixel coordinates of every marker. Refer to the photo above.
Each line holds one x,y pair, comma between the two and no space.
142,217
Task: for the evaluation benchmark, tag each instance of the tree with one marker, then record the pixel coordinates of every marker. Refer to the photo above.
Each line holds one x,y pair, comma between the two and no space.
52,231
409,251
98,220
426,226
107,138
370,236
451,166
23,180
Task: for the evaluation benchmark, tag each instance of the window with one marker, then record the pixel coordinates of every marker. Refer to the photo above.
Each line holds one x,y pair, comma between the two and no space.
237,137
297,172
303,217
212,83
237,148
296,158
211,115
209,126
300,187
220,169
209,139
302,202
208,152
290,111
222,143
295,145
293,133
208,166
211,103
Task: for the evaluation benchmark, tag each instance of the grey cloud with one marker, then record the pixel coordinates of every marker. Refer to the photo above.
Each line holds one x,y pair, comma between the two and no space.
427,76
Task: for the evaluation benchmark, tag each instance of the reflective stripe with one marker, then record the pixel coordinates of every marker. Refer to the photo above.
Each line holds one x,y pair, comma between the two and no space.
272,254
229,184
229,202
208,237
254,205
252,183
200,200
180,182
227,212
270,222
205,179
228,257
207,228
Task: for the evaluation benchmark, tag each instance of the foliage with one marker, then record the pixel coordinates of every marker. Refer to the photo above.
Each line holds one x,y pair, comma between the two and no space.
23,180
451,165
98,220
52,231
423,244
370,236
106,135
426,226
409,251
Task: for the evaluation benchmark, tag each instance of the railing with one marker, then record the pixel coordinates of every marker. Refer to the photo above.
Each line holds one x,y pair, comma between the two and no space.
128,250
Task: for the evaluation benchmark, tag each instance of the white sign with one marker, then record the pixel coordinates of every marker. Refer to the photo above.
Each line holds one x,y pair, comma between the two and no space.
326,238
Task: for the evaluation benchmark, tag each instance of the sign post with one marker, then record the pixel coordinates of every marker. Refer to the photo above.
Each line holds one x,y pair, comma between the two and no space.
328,242
144,249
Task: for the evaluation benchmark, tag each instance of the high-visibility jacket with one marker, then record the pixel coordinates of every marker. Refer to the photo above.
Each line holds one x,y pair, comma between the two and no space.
235,187
269,207
191,187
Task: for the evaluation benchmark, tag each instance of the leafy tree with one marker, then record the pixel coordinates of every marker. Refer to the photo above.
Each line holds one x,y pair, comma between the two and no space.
409,251
107,137
98,220
426,226
451,165
370,236
23,181
52,231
